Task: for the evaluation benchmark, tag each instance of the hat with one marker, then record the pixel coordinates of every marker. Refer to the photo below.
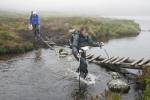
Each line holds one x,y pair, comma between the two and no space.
72,30
34,12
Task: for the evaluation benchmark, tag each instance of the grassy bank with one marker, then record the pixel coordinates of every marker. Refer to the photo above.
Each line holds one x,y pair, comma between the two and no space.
112,96
146,95
15,36
107,95
10,41
144,81
100,28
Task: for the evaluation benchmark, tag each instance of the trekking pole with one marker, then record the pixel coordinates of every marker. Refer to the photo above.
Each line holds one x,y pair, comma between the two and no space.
102,44
106,52
79,70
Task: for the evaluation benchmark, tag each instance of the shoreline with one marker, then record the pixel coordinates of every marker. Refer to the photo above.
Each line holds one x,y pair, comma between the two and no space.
56,28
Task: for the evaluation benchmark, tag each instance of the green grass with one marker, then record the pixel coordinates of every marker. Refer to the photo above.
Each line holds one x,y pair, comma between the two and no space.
112,96
107,95
99,28
145,80
10,41
146,95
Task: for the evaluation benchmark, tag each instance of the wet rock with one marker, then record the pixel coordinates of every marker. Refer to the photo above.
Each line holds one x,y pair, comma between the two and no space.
117,84
62,52
38,54
115,75
52,43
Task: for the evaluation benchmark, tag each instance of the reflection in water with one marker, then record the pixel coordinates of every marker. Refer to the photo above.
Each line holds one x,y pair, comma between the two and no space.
79,94
4,67
38,54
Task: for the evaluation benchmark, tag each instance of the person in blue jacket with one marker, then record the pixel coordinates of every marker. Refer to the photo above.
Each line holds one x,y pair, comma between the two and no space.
35,23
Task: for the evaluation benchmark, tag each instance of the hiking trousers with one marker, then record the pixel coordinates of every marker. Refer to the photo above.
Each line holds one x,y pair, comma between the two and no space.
36,30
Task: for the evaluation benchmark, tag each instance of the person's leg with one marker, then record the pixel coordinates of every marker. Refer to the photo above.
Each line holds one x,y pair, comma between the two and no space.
34,30
86,65
86,73
38,30
77,70
83,64
83,67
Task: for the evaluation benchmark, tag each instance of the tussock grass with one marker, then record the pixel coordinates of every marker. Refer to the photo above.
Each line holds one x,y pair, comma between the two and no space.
15,35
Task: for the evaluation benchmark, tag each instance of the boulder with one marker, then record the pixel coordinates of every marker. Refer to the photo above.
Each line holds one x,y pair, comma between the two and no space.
118,85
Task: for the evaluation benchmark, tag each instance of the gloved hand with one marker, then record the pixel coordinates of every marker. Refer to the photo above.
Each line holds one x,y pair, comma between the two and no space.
79,55
39,26
30,27
101,44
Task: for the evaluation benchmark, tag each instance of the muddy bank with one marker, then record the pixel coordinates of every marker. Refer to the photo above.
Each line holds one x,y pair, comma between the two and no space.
58,37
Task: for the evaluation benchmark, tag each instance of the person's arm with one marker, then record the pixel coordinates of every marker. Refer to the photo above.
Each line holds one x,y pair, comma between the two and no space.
30,20
92,43
75,46
30,23
39,21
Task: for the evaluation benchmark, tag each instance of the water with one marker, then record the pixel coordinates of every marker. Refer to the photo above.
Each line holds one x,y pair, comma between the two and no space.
134,47
47,78
27,78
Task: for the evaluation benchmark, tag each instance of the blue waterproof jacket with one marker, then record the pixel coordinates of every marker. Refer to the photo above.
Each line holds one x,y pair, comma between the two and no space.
34,20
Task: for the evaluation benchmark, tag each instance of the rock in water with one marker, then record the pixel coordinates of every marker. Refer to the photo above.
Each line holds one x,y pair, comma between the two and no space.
115,75
117,84
62,52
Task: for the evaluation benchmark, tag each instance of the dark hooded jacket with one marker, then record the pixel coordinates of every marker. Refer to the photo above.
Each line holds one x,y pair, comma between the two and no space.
80,41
